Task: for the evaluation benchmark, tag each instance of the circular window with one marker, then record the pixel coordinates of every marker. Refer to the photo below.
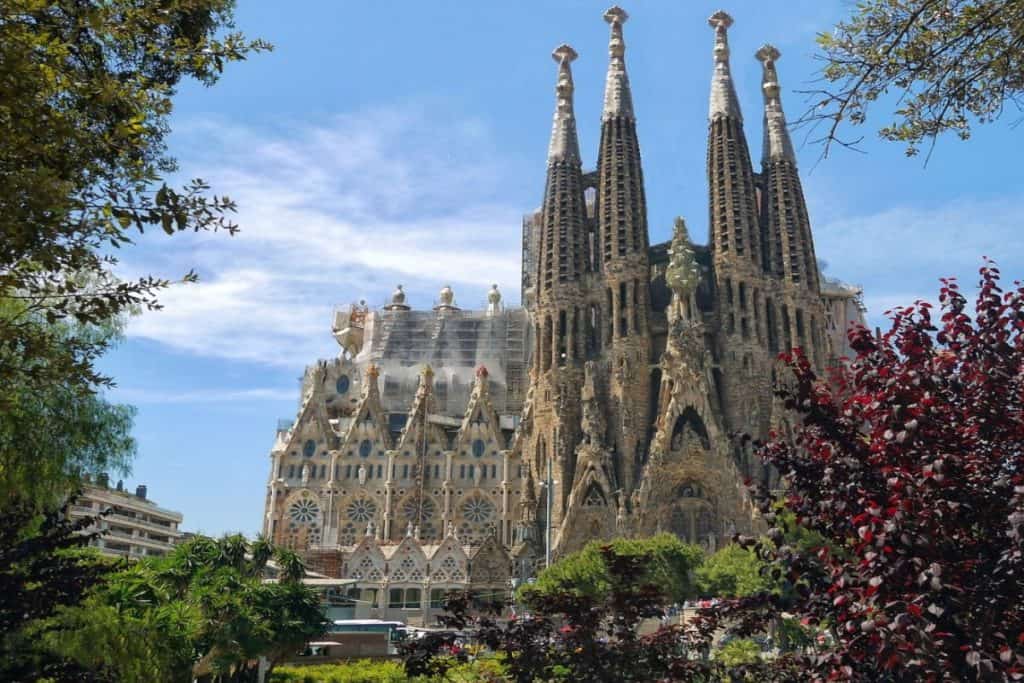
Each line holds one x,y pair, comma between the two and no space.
478,448
365,448
309,448
361,510
478,510
343,384
304,511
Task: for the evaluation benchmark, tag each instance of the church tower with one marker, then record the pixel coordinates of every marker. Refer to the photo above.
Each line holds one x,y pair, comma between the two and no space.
790,247
739,284
623,256
562,268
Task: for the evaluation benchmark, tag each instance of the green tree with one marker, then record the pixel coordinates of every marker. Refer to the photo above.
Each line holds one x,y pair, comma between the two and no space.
86,90
585,572
946,63
43,564
52,433
204,611
732,572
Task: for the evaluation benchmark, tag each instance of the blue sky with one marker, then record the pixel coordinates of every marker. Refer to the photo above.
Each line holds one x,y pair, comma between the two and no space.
396,141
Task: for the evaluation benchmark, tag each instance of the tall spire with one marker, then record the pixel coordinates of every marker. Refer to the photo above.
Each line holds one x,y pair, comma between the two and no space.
618,101
565,145
723,93
562,256
623,254
790,246
735,232
777,144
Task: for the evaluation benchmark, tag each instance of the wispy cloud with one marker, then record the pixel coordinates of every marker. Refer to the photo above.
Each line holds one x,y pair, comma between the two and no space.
898,255
136,396
332,213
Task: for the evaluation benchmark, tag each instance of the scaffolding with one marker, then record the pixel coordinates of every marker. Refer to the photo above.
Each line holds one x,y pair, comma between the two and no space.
454,343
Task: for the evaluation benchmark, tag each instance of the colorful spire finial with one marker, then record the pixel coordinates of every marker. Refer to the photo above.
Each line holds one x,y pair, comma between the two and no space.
372,372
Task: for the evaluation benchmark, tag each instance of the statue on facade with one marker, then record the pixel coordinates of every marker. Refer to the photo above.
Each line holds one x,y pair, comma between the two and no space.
362,475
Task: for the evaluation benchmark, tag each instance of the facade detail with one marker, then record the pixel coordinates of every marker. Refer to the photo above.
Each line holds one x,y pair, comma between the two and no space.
133,527
621,399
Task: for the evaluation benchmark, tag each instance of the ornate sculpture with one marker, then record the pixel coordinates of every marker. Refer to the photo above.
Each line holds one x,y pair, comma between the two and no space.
683,272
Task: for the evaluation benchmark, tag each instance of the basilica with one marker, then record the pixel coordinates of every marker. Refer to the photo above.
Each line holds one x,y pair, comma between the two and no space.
451,447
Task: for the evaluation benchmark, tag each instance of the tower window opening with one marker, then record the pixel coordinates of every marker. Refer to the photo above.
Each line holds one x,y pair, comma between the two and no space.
622,312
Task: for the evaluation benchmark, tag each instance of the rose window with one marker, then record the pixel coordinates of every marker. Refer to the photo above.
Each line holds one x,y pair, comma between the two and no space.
304,511
478,510
412,510
361,510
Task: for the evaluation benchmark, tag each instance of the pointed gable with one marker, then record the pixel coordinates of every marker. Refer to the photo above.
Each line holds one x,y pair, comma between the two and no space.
418,427
490,564
449,562
480,421
369,422
407,562
366,562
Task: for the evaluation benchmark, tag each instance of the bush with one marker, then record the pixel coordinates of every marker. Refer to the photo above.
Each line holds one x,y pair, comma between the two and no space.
357,671
738,652
484,670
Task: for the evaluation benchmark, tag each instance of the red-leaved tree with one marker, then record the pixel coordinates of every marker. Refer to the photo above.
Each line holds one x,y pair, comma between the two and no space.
910,464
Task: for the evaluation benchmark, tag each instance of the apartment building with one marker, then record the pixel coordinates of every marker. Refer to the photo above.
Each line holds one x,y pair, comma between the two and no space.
134,527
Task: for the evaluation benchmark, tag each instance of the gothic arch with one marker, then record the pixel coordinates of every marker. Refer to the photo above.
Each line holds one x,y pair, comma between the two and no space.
690,419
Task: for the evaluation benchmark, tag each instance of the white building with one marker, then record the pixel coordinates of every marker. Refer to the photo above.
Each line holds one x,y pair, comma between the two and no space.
134,526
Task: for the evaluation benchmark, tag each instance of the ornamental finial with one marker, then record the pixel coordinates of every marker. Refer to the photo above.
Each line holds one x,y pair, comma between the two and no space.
616,16
723,95
618,101
564,143
372,372
777,143
768,55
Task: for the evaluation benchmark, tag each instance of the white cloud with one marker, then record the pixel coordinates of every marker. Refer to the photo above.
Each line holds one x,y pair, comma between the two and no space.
136,396
898,255
332,213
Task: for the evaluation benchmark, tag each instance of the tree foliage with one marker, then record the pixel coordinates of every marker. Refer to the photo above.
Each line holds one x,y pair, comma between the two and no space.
42,565
669,565
947,63
86,90
911,467
732,572
52,434
203,610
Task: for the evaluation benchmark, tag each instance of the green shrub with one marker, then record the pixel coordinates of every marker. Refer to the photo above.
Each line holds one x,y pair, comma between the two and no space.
483,670
737,652
356,671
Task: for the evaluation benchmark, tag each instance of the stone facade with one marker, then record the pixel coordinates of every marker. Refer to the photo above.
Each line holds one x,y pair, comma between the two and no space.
610,404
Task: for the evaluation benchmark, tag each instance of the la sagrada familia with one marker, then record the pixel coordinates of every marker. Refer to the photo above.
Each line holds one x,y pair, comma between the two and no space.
451,446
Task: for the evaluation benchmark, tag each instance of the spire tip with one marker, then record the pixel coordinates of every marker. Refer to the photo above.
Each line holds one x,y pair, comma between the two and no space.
564,53
720,20
616,14
768,53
